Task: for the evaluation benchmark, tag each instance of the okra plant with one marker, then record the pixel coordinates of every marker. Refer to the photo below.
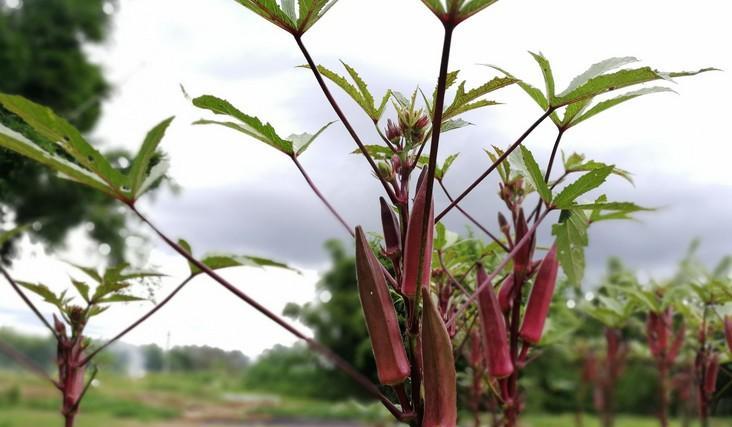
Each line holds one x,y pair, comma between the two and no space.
420,302
75,350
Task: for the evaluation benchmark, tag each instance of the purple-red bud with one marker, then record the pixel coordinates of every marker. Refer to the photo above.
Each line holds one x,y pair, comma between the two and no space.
438,364
412,277
393,132
392,235
381,320
493,325
422,122
537,309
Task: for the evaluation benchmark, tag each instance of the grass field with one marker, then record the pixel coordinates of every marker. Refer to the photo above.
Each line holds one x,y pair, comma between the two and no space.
203,401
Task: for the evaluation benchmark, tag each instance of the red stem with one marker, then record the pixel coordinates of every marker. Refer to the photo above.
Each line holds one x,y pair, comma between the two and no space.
137,323
27,301
517,247
473,220
549,169
343,118
339,362
494,165
321,197
27,363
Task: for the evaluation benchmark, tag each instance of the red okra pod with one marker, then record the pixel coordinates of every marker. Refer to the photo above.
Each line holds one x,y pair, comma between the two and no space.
710,377
381,320
523,257
728,331
677,343
505,293
392,236
537,309
495,339
412,277
438,365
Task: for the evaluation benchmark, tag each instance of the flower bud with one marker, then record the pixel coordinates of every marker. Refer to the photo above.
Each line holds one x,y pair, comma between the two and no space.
493,325
392,236
381,320
540,299
393,132
414,242
396,163
440,383
385,170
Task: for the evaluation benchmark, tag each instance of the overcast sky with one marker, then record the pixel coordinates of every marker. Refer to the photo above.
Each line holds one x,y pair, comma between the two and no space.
240,195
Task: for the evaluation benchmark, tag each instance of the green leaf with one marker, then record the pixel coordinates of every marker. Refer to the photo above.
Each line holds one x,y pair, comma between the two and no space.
644,297
571,235
453,124
82,288
91,272
535,175
68,138
546,71
141,176
10,234
187,247
607,104
217,262
271,11
441,171
119,298
106,288
472,7
618,80
359,93
466,101
66,169
585,183
246,124
377,152
618,210
534,93
450,81
576,163
444,238
597,69
42,290
436,7
301,142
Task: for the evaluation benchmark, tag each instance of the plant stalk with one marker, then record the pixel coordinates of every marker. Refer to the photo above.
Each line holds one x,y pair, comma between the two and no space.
494,165
343,118
339,362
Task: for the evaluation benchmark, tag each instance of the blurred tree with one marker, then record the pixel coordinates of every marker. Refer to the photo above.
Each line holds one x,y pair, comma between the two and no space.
42,58
336,317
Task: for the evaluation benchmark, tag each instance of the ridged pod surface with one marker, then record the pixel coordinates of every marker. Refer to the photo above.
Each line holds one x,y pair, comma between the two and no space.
381,320
412,276
537,309
493,325
438,369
